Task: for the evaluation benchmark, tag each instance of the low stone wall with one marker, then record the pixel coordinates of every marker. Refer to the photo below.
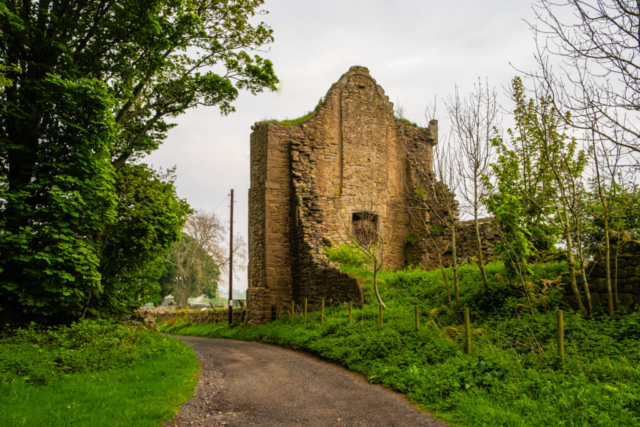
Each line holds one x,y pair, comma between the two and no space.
626,277
200,317
467,244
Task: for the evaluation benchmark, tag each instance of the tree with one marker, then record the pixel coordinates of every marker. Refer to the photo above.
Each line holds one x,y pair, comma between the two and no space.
200,256
366,240
560,154
474,122
522,171
148,220
597,76
443,184
522,201
194,269
51,212
93,83
606,162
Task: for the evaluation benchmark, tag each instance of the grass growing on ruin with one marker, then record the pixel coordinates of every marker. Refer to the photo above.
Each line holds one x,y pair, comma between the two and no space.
93,374
514,376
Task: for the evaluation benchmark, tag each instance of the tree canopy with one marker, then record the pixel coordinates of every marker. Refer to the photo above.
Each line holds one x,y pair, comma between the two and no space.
87,87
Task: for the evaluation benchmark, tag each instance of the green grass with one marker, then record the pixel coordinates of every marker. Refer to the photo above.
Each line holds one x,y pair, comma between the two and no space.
93,374
513,378
406,121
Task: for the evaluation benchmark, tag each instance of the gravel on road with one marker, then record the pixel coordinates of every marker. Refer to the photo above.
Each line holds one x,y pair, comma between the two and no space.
253,384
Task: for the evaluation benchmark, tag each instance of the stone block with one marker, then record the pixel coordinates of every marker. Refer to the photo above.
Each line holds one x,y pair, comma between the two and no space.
625,300
633,280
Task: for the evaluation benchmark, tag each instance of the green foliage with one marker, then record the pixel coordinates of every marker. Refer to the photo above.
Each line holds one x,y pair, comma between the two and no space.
514,377
412,238
300,120
55,376
149,217
516,247
73,113
524,177
407,122
346,254
624,215
197,271
52,213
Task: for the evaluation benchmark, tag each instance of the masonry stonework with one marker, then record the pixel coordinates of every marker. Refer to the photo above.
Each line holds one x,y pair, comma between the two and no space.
625,276
352,156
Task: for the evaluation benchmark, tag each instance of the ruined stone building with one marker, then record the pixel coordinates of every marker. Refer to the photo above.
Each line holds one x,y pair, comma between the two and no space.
312,182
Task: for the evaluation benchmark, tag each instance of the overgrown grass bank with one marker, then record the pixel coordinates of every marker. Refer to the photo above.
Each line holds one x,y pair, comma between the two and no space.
93,374
513,378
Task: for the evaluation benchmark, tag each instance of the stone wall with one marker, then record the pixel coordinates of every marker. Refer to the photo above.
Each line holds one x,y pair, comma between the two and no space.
467,245
307,182
626,277
200,317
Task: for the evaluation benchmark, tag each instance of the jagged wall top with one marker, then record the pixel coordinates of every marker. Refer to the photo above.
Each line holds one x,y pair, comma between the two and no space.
431,131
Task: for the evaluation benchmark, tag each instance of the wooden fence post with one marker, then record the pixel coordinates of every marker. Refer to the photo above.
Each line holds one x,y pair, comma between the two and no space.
322,313
381,318
417,318
467,332
351,312
560,334
293,309
305,311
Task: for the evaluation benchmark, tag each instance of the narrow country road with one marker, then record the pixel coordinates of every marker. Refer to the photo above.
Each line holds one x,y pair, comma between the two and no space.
251,384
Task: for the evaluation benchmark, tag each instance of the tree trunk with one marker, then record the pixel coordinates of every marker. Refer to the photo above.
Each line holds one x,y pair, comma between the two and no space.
585,283
608,266
444,274
454,263
615,276
571,263
480,260
375,283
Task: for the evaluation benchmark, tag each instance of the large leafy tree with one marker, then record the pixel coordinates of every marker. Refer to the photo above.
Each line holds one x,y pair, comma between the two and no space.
149,217
88,86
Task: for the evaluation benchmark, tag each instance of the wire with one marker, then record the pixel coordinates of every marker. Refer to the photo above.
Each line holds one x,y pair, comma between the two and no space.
223,200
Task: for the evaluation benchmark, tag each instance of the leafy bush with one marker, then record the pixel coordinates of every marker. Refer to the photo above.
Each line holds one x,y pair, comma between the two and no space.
347,255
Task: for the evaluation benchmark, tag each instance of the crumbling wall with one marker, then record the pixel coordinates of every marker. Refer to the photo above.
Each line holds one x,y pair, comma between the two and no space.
309,181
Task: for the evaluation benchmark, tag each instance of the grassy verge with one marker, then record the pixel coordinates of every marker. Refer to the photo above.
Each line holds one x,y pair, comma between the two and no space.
93,374
513,378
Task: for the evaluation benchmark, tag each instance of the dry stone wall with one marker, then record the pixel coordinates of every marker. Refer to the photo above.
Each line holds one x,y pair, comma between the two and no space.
199,317
625,276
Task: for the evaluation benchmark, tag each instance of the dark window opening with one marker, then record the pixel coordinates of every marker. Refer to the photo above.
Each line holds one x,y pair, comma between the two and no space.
364,226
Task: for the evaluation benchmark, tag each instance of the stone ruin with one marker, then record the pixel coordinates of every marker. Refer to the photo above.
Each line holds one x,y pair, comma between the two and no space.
311,182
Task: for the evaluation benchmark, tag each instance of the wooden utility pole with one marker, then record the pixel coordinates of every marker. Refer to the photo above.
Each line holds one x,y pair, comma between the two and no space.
231,263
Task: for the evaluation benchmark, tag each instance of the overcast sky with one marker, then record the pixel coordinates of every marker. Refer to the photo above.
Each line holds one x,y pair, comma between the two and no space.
416,50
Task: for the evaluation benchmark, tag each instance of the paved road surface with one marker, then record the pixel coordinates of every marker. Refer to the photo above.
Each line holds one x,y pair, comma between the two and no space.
251,384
